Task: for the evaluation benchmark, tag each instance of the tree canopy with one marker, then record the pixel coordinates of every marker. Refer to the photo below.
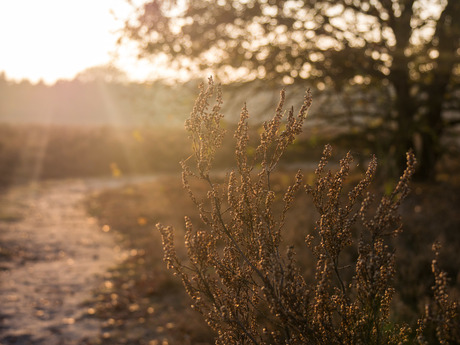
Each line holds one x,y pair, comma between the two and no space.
410,47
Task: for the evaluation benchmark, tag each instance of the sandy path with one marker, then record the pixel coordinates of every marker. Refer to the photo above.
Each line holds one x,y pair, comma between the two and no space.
59,256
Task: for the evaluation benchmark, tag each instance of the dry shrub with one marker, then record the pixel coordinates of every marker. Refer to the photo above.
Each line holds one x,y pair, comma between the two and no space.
249,288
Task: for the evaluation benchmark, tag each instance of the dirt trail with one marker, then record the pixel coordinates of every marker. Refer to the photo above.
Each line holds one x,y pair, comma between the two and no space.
55,256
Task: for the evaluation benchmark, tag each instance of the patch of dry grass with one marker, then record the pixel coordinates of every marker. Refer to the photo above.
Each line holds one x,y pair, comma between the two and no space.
140,301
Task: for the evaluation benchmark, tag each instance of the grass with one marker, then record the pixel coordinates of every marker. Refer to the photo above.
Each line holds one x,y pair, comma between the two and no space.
139,300
39,152
10,216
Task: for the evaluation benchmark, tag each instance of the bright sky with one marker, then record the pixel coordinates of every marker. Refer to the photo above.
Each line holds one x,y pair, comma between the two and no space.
56,39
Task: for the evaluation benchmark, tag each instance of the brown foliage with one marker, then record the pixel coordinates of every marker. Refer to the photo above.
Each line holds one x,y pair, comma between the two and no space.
249,288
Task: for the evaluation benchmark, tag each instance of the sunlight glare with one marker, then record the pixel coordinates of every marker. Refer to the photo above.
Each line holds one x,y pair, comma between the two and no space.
52,39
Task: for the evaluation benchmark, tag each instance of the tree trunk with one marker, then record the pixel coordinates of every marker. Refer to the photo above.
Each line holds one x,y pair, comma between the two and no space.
431,129
432,126
405,113
429,155
423,135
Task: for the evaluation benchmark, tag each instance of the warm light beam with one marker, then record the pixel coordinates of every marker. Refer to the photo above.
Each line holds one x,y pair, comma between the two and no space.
56,39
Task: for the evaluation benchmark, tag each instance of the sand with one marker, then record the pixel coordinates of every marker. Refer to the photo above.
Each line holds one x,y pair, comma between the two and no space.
57,255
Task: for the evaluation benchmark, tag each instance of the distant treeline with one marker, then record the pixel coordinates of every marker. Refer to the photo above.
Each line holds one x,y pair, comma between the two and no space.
94,102
95,97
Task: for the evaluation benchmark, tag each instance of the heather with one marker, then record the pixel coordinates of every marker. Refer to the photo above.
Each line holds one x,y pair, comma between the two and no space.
270,257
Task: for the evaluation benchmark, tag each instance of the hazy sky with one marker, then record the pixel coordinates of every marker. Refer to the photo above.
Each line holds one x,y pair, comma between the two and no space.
56,39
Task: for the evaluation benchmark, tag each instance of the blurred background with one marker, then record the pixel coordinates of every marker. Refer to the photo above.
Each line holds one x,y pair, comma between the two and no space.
384,76
103,88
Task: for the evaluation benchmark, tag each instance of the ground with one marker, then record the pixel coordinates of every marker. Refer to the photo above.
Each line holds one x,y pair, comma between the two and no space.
52,256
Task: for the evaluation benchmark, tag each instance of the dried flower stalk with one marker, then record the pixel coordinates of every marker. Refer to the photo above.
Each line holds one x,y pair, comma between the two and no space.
252,291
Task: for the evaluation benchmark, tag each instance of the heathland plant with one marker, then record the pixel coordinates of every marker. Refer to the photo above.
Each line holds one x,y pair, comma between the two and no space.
249,288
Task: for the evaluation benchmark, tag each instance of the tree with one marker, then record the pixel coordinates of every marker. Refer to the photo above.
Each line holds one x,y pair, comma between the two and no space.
411,47
102,73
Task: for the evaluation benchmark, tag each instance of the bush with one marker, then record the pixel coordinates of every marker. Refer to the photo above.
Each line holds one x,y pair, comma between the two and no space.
252,291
